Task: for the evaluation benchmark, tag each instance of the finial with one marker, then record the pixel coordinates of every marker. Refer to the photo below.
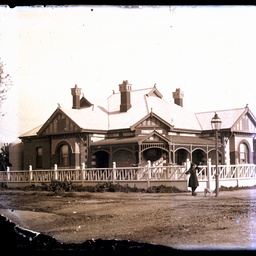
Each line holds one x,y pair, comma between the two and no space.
58,105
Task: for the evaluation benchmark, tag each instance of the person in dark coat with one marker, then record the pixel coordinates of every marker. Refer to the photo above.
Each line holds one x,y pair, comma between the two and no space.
193,181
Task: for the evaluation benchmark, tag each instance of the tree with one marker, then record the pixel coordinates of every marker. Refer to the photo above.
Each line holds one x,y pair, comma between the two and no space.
5,85
4,157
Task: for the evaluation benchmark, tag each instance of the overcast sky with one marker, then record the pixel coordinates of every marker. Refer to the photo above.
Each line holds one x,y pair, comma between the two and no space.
208,52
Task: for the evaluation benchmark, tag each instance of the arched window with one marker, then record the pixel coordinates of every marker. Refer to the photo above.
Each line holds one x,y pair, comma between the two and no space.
64,155
244,153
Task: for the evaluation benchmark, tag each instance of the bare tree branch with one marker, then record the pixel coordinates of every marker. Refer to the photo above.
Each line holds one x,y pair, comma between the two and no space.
5,85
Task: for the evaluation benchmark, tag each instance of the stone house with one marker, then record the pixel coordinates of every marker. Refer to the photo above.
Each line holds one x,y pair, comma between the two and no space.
131,127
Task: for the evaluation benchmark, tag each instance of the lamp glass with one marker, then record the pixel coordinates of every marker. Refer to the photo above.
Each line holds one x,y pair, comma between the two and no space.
216,122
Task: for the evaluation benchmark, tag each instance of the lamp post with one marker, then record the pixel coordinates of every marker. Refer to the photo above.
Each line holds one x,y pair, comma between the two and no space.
216,124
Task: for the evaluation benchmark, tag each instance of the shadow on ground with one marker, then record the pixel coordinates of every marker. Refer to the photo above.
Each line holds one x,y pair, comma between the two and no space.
14,237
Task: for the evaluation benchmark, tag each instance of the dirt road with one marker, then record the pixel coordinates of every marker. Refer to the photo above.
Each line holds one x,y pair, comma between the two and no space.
176,220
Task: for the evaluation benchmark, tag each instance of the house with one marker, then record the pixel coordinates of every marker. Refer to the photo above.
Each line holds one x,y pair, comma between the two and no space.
133,126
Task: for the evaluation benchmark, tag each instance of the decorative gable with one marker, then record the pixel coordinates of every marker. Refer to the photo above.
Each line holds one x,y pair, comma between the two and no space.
150,123
155,93
154,137
58,123
246,123
84,103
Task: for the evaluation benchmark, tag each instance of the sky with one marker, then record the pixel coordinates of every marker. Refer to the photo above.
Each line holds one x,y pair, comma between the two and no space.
209,52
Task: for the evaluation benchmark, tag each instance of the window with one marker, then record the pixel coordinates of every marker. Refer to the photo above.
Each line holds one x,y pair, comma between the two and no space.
39,153
244,154
64,155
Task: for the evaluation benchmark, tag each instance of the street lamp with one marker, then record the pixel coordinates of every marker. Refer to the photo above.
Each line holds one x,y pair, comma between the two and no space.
216,124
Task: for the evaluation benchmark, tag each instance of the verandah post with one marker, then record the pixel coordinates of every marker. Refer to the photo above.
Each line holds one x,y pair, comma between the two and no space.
209,175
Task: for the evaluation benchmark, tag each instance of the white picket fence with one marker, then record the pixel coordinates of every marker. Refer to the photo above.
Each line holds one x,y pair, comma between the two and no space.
95,174
173,175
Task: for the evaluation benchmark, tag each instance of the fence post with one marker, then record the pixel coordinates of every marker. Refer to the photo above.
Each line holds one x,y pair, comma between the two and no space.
7,175
188,164
30,175
139,173
237,175
209,173
149,172
55,172
83,173
114,172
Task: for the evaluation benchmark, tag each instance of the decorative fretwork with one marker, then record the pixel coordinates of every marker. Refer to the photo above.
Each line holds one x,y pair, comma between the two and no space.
146,146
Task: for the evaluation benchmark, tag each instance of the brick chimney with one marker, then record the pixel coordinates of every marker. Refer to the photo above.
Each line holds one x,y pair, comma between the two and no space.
76,92
125,91
178,96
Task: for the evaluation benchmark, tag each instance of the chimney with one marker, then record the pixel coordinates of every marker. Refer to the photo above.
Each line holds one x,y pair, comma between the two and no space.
76,92
178,96
125,90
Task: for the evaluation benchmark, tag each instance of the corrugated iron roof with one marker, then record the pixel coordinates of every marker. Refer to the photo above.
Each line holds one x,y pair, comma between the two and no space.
116,141
106,114
174,139
228,118
173,114
32,132
190,140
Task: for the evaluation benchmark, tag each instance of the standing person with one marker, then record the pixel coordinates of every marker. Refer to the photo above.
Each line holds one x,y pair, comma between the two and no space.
193,181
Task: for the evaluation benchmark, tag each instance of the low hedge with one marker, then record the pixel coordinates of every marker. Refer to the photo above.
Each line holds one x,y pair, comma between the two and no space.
67,186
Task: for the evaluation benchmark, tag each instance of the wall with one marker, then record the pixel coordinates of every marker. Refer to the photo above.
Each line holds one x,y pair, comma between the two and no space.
30,153
242,182
16,155
235,141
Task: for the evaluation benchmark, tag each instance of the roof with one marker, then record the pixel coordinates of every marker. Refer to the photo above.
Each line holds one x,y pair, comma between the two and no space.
122,120
179,117
91,118
191,140
228,118
174,139
32,132
145,101
116,141
105,115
